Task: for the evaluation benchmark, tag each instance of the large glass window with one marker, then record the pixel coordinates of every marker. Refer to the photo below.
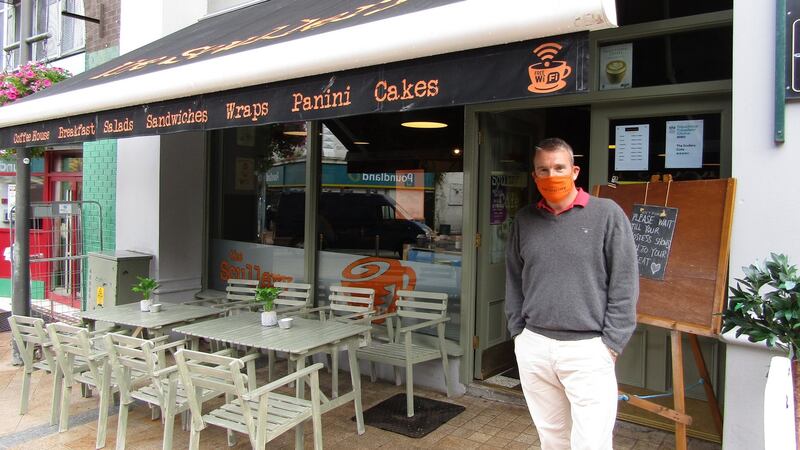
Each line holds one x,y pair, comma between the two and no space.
391,205
257,192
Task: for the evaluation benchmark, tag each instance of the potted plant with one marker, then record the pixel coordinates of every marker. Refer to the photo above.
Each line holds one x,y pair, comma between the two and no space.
145,286
266,296
765,306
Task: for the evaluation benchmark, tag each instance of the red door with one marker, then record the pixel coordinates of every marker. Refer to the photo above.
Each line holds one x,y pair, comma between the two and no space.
62,275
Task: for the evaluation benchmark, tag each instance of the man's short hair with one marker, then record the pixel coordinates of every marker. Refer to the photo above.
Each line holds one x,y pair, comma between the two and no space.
554,145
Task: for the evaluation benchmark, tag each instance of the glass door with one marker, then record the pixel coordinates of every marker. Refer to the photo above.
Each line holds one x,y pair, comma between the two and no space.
505,187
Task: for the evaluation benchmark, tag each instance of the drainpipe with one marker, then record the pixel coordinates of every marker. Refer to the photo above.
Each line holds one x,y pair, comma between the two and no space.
20,302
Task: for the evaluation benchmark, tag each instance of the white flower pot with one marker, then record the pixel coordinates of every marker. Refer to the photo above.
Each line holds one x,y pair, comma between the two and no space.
144,305
269,318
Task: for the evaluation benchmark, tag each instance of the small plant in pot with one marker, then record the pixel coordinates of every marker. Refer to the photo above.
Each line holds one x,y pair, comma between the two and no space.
765,306
145,286
266,296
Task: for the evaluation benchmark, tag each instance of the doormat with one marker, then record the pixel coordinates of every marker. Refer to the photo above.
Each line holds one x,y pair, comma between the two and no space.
429,414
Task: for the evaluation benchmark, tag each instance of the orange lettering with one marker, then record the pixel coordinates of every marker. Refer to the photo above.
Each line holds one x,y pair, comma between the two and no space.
115,71
235,44
380,91
298,99
303,23
170,60
397,3
433,88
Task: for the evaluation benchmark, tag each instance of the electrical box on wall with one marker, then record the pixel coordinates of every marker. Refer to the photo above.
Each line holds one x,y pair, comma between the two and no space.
112,274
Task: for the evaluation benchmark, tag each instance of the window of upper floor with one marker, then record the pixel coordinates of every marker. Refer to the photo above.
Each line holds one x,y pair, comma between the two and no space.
56,35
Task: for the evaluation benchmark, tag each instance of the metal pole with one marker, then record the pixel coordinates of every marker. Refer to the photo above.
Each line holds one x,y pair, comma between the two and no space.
21,298
25,22
20,301
780,72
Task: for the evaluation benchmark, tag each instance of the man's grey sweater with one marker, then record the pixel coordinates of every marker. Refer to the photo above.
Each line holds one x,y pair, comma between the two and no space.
574,275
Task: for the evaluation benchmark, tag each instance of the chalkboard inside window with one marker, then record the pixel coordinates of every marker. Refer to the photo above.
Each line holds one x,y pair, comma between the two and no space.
653,228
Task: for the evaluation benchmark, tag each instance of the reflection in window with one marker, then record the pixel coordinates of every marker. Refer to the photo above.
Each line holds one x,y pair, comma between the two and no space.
390,210
258,171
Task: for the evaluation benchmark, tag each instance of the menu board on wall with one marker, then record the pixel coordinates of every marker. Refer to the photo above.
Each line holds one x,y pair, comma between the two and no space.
653,228
632,147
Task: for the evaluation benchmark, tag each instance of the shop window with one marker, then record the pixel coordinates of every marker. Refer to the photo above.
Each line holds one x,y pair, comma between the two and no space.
391,206
630,12
257,193
692,56
684,146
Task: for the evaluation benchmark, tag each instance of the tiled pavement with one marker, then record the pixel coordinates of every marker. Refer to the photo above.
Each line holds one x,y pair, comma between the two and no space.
485,424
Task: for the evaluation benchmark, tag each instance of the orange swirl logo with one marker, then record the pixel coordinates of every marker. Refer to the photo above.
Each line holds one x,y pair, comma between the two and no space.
386,276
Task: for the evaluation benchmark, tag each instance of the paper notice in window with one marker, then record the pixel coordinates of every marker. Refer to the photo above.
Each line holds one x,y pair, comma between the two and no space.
684,144
632,147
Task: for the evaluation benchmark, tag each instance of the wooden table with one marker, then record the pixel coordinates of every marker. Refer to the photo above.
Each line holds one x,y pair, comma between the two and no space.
305,338
156,323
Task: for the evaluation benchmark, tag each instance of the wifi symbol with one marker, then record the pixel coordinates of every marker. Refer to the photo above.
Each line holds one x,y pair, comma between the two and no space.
547,51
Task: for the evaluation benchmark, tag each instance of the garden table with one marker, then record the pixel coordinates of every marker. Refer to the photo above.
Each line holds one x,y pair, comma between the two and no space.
306,337
156,323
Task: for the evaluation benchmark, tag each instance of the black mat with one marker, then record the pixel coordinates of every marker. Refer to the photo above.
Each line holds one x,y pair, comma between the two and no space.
390,415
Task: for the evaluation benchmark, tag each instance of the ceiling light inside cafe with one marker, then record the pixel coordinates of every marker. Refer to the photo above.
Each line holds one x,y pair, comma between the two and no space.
295,133
423,124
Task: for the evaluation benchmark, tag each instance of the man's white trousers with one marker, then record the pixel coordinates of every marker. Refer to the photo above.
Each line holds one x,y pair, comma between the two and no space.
571,390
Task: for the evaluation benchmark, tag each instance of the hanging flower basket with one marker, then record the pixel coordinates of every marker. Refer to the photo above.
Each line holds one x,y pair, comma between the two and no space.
23,81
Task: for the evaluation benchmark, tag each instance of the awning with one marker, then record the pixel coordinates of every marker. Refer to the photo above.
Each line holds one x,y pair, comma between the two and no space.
283,60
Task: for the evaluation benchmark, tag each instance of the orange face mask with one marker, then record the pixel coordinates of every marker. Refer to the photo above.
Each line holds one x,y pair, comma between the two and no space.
555,188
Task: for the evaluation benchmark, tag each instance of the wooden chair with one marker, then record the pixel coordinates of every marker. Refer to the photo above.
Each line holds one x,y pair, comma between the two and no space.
162,389
261,413
293,298
239,292
28,334
346,304
72,346
400,351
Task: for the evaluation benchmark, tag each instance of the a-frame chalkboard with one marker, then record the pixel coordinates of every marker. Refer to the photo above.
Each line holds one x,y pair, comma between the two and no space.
688,295
693,289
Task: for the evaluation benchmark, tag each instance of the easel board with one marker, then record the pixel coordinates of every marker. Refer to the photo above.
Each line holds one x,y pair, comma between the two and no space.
693,290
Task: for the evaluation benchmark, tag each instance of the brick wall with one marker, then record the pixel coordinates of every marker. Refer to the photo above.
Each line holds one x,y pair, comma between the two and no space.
106,34
100,185
100,157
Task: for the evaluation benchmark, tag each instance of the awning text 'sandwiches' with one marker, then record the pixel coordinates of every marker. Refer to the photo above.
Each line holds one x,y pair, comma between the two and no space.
549,66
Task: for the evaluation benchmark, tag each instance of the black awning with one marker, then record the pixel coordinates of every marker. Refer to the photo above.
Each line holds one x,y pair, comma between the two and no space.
258,25
211,75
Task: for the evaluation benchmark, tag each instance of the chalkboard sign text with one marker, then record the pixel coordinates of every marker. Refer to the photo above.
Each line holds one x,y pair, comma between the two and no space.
653,228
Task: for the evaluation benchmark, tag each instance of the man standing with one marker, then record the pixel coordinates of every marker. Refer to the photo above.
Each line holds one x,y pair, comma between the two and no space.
571,288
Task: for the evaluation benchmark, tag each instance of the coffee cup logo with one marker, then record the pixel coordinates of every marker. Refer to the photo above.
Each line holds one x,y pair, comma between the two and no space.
550,74
615,71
